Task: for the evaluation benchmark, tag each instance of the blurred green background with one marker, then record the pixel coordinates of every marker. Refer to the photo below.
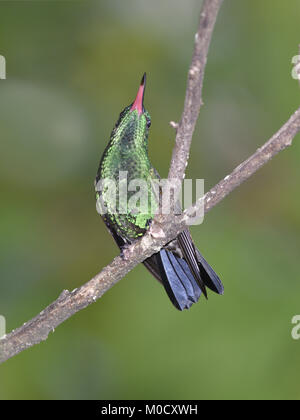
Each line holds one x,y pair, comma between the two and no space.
71,68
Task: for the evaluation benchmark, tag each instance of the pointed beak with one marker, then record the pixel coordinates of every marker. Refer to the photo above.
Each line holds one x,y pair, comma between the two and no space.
138,103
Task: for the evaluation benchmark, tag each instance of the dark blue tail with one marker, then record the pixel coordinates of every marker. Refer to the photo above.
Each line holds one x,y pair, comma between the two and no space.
179,282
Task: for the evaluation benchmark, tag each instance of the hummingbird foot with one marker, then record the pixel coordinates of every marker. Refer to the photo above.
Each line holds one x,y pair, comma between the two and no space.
125,253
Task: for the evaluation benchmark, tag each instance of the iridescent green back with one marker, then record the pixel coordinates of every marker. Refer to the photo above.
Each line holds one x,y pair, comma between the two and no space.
127,152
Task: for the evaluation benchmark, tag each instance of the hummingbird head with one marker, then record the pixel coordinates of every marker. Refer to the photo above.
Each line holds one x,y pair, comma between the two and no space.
134,121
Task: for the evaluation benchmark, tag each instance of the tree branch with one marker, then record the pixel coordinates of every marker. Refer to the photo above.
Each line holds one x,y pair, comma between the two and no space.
193,96
164,228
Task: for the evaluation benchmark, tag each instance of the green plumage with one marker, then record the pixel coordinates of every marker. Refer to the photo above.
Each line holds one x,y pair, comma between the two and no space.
127,152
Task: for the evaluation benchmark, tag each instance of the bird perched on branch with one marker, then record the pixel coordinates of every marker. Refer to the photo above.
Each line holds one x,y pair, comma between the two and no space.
179,266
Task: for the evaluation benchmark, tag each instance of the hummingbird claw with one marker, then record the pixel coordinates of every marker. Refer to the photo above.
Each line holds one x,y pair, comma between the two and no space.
125,252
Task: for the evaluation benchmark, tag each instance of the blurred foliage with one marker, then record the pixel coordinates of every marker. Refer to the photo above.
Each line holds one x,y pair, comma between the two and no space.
71,67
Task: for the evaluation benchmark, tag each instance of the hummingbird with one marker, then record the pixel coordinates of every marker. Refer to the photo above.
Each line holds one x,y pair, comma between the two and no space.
178,266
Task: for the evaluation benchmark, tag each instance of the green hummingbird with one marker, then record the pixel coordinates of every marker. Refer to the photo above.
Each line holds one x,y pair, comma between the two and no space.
179,266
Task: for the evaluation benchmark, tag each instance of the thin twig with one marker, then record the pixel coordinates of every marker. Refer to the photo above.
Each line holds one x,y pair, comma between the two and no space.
193,96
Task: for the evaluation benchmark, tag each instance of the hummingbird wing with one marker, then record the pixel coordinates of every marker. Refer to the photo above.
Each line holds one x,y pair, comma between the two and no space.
187,248
210,278
152,266
118,239
198,265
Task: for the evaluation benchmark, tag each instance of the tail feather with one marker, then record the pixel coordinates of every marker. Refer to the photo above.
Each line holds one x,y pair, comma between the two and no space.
177,279
184,272
187,271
